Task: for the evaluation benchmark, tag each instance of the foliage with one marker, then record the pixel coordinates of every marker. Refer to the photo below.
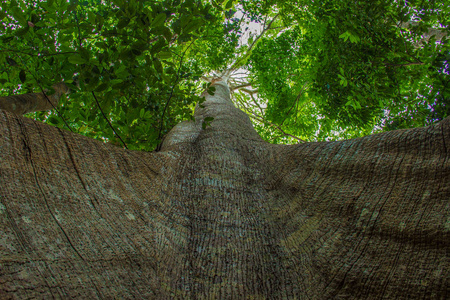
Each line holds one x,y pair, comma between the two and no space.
127,60
319,70
349,68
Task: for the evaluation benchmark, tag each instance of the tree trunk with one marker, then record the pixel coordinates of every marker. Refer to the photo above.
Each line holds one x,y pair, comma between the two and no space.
220,214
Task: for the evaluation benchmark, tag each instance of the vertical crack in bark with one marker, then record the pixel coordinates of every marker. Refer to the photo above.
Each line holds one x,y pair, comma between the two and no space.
75,166
443,139
44,198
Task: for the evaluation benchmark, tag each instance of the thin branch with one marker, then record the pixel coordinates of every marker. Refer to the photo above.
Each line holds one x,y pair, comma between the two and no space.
45,95
239,81
276,137
257,104
250,92
261,119
116,34
242,86
57,110
236,64
404,65
239,103
79,31
240,73
39,54
171,92
295,102
240,21
110,125
282,27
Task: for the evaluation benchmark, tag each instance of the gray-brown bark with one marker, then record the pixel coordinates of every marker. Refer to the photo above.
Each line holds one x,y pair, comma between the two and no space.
218,213
26,103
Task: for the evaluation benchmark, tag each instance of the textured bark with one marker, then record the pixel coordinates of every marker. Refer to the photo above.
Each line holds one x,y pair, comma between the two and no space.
220,214
26,103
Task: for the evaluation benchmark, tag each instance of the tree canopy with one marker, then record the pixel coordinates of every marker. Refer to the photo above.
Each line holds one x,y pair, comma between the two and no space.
303,70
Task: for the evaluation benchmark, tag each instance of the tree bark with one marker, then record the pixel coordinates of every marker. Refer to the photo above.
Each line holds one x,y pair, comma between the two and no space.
32,102
220,214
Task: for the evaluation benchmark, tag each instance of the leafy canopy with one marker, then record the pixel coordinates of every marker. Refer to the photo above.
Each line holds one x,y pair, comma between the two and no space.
313,70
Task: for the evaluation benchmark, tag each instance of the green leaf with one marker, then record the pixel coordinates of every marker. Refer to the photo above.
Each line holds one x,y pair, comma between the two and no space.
136,52
192,26
207,122
345,36
102,87
19,15
34,18
22,31
84,53
167,79
93,81
158,66
354,39
219,7
158,46
211,90
53,120
91,16
22,76
125,54
159,20
229,4
121,72
11,61
76,59
167,34
7,39
164,55
142,113
123,22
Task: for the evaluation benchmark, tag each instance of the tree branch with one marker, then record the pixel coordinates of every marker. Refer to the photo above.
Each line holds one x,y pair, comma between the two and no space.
295,102
32,102
171,92
109,123
250,92
242,86
39,54
257,104
235,66
261,119
404,65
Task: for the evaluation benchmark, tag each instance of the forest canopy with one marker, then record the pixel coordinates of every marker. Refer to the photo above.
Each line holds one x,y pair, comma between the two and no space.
302,70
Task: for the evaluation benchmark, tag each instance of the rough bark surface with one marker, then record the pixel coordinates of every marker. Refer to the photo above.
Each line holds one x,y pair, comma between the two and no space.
26,103
221,214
